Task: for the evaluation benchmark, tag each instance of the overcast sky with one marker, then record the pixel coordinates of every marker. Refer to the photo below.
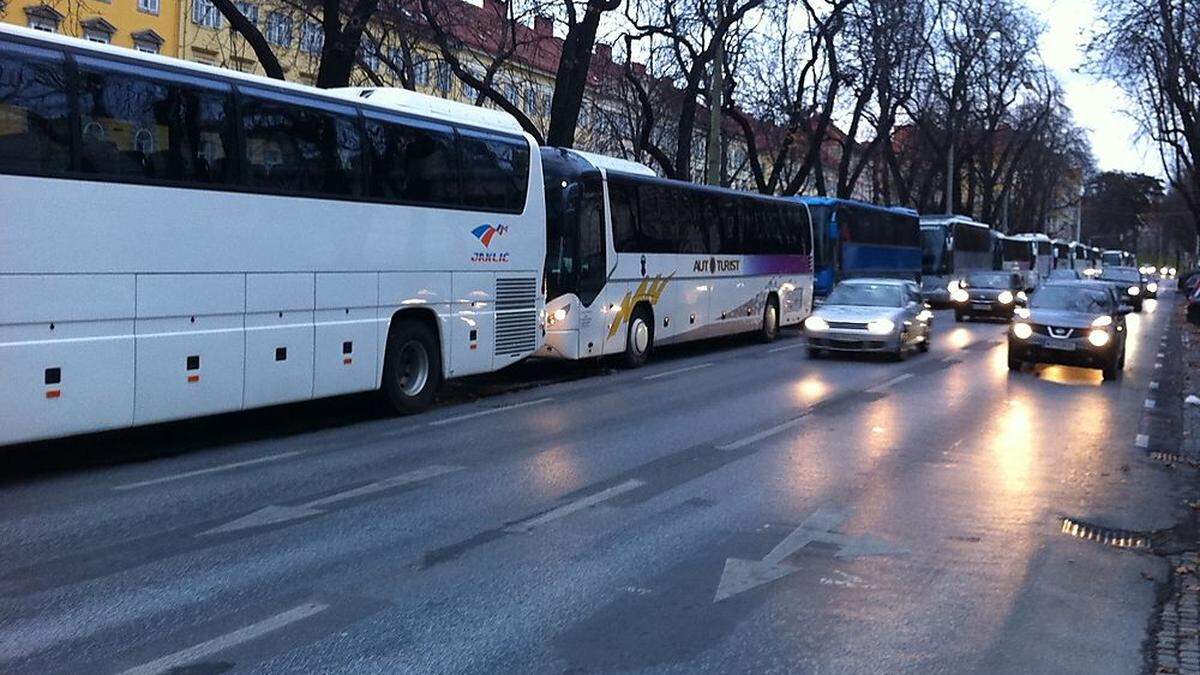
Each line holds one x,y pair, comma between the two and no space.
1098,106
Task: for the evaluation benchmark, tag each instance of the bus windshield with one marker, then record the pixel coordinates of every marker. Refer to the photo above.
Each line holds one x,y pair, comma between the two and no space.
933,250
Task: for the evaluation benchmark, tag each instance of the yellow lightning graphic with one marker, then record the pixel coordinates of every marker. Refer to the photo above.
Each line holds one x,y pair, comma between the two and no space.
648,289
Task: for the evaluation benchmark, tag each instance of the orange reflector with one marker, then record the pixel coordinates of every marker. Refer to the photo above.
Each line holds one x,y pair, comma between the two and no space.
474,347
346,361
193,378
53,393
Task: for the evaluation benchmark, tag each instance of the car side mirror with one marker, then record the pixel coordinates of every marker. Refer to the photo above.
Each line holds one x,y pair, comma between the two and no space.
927,305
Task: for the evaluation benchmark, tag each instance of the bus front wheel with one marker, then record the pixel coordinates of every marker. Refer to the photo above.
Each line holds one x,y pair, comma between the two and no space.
770,323
639,341
412,368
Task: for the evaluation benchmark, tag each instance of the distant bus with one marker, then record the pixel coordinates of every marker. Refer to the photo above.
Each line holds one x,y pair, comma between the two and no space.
1063,253
179,240
952,247
857,239
1118,258
1031,254
634,261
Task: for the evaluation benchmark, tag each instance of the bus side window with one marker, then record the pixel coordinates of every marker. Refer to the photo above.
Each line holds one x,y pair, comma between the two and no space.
495,172
291,148
623,201
592,270
35,132
412,163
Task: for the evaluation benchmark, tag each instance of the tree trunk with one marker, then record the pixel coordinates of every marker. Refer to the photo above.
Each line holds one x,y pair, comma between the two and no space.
570,80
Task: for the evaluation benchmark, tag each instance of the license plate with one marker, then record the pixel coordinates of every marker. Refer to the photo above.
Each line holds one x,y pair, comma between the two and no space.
980,305
1060,345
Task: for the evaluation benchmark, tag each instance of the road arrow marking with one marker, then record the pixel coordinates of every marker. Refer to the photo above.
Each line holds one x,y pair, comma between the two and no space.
275,514
577,505
743,575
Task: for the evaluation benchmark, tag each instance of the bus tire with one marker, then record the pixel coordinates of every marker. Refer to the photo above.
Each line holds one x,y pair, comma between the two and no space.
639,338
412,366
770,323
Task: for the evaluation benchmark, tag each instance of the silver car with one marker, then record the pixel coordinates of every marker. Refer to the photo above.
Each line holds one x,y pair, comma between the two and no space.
870,315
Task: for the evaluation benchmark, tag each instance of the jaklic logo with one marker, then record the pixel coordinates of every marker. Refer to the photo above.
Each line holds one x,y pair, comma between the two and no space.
485,233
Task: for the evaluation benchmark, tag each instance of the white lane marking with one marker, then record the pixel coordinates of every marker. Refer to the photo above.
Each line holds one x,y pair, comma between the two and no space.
194,653
786,347
883,386
1158,364
677,371
1153,385
1159,355
1149,403
577,505
948,359
203,472
489,411
274,514
766,433
1142,441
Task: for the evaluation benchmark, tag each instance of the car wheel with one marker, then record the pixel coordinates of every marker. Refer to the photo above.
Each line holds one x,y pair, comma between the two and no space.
412,367
1014,363
958,317
770,323
814,353
1113,370
924,345
639,339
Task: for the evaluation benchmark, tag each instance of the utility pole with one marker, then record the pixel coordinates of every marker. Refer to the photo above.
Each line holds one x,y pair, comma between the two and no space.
950,179
716,89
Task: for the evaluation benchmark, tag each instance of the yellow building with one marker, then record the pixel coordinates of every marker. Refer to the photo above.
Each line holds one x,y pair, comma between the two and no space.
145,25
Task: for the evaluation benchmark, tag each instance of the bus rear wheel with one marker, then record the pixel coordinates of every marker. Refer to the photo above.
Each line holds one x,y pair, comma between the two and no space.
639,340
412,368
770,323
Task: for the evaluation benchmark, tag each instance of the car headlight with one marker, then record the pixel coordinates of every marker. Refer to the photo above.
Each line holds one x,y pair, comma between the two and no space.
925,315
1021,313
558,315
1022,331
1022,296
1171,271
1098,337
959,295
881,326
1134,290
1005,297
1102,321
1152,287
816,323
953,285
1162,270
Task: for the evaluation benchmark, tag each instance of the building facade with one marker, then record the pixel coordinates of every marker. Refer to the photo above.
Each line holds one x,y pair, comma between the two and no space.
146,25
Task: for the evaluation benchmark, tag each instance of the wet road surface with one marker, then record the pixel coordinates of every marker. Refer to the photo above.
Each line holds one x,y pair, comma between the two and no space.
731,507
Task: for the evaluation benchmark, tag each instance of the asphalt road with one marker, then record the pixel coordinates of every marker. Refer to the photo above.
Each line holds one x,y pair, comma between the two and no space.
731,507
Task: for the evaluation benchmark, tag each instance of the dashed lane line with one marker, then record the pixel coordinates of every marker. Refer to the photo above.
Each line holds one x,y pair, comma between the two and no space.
786,347
1149,403
1142,441
677,371
577,505
884,386
205,649
203,472
489,411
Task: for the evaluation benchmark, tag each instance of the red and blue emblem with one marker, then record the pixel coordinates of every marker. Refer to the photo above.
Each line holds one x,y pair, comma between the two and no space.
485,233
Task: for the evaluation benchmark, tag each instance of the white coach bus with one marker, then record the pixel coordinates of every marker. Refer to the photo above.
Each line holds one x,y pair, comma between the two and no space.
635,261
178,240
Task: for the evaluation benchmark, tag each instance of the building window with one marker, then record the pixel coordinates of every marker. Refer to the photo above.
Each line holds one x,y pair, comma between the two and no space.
43,17
97,30
147,41
421,74
312,38
531,103
248,10
148,6
369,57
44,25
445,78
204,13
279,29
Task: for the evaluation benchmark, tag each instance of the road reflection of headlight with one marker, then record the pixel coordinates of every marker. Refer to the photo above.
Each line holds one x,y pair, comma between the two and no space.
1022,331
1098,337
816,323
1005,297
881,326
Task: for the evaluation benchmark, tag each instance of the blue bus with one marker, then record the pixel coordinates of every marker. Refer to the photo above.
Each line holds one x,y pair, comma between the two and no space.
856,239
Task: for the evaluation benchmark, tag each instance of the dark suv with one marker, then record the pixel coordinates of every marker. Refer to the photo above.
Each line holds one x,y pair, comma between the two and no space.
1128,284
1077,323
991,294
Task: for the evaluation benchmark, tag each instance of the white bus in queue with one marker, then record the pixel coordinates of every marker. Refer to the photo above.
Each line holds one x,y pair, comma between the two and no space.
178,240
635,261
1030,254
952,247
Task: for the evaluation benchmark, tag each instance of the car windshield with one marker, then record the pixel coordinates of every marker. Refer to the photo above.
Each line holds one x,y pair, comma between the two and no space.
868,295
1120,274
1071,299
989,280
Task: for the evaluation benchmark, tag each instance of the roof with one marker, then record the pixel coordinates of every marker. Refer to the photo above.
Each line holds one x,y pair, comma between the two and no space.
880,280
1030,236
834,201
947,219
614,163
